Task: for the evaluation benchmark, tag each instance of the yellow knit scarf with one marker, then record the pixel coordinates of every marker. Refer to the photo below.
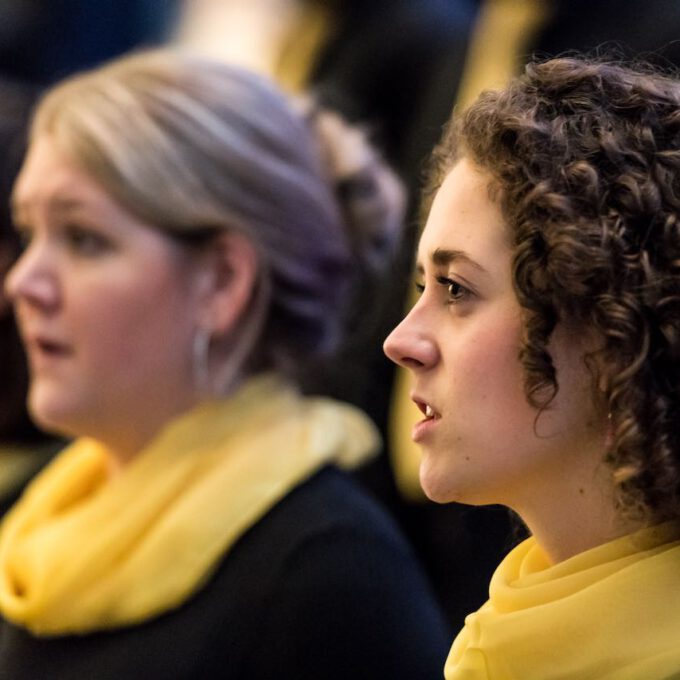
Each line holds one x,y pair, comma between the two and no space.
81,552
608,613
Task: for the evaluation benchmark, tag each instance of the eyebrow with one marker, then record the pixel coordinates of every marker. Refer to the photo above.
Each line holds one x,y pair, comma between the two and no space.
442,257
59,204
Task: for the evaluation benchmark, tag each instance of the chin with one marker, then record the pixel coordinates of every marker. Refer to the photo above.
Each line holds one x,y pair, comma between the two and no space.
50,414
435,486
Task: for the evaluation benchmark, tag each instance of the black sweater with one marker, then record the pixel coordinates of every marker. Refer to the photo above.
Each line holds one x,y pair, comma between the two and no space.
323,588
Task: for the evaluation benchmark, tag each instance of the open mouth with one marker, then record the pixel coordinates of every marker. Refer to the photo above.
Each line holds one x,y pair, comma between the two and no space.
427,410
421,430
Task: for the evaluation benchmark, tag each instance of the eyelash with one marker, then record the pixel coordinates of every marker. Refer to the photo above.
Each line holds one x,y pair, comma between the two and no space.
462,292
84,241
450,284
80,240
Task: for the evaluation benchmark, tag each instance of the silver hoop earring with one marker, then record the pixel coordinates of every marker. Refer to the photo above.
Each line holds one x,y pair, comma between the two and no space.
201,352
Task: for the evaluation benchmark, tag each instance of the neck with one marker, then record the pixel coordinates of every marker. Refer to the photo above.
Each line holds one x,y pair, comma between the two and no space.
123,447
129,433
578,516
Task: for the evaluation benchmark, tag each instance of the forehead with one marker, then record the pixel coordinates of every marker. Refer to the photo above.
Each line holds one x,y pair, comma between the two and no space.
465,218
44,168
48,176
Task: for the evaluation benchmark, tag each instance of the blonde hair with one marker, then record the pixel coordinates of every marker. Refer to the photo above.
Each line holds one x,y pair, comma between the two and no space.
194,146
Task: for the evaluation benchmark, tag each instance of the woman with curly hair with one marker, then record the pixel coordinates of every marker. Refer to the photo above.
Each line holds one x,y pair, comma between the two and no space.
192,239
545,353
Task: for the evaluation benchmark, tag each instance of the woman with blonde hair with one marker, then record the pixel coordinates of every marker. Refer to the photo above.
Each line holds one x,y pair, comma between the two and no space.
545,353
192,237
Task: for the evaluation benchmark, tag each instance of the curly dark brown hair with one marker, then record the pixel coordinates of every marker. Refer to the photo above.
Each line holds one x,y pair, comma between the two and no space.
585,161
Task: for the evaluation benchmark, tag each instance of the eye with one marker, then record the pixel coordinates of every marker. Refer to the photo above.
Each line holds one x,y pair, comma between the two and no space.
420,287
456,291
85,241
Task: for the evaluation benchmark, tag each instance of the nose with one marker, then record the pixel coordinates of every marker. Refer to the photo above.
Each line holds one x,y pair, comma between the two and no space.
410,345
32,280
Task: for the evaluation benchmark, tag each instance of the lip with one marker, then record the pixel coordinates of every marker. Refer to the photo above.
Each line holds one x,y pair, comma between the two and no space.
45,349
425,426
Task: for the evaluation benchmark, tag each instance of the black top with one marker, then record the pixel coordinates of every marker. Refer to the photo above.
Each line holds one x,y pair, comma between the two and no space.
322,587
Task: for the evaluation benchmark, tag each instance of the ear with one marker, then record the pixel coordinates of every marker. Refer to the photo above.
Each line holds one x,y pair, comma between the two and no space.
231,267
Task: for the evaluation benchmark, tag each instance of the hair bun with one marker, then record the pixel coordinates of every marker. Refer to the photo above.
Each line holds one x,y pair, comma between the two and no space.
371,197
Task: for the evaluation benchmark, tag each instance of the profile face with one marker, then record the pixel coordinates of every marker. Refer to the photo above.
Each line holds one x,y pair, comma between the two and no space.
481,440
103,302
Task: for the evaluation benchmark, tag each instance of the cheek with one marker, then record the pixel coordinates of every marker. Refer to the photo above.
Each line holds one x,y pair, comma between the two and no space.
132,327
487,373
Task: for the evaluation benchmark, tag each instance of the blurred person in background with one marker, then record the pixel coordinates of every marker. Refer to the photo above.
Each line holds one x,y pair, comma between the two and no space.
193,237
544,351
